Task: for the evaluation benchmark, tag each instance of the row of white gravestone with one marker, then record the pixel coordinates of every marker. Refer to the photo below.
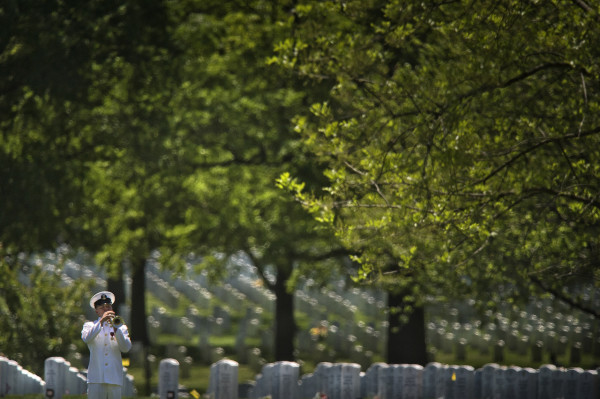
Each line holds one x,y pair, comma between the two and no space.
281,380
63,379
60,379
15,380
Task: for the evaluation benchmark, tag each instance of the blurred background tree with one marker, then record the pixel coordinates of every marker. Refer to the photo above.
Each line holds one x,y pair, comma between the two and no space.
452,151
233,113
461,144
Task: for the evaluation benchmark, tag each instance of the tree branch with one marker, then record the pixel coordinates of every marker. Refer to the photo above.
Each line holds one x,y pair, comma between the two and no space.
261,272
536,146
583,5
334,253
564,298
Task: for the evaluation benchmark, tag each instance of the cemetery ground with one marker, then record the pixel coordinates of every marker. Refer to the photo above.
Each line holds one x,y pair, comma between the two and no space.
195,371
199,323
197,377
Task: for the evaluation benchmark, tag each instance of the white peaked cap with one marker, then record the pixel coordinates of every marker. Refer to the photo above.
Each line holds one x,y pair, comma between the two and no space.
102,295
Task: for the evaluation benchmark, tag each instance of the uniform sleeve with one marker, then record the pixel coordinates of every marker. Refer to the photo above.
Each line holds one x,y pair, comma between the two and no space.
123,339
90,331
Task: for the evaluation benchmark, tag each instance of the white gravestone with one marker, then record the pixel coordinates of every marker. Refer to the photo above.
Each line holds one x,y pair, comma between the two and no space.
20,380
385,381
72,382
224,379
431,377
511,386
128,386
368,383
3,376
256,392
33,384
334,380
589,385
321,373
391,381
459,382
440,383
8,376
284,381
477,383
263,385
168,379
450,382
499,383
465,382
571,382
413,382
527,381
545,376
55,369
558,382
350,380
398,376
308,386
487,381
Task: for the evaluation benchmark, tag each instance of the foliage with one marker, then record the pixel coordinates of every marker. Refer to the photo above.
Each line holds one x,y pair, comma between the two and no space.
60,60
39,311
81,128
461,141
152,125
233,111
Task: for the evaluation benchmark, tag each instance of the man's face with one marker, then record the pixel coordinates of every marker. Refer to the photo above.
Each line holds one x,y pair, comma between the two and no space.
100,309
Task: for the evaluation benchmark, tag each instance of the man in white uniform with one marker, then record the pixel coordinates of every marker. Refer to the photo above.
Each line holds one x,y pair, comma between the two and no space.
105,371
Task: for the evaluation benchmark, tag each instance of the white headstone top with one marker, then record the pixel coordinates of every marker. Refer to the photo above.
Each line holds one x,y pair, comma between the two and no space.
321,374
499,383
168,379
433,386
369,387
350,381
527,380
487,381
4,384
589,385
571,381
55,369
545,376
511,382
285,380
308,386
223,382
413,382
558,382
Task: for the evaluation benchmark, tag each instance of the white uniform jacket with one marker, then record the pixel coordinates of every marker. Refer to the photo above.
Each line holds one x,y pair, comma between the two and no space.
106,365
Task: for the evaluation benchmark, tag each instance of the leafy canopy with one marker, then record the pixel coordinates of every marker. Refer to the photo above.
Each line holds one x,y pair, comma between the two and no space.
461,140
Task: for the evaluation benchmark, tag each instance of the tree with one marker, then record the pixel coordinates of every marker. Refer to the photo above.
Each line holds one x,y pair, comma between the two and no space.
234,112
105,132
40,315
81,121
461,143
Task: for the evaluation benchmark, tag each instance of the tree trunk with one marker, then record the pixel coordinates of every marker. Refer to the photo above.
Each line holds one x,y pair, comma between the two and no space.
406,342
285,325
139,326
116,285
